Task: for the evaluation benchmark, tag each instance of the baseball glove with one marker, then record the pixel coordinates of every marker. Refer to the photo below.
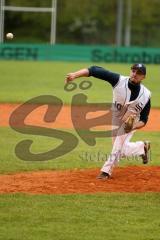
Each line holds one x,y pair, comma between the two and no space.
128,124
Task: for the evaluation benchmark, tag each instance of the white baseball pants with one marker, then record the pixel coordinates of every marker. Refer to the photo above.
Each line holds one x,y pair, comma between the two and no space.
122,147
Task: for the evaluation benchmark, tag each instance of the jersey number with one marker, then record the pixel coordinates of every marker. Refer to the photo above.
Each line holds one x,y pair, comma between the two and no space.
118,106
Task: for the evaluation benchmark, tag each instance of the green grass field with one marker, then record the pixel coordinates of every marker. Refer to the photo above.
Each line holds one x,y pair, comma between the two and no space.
74,159
21,81
64,217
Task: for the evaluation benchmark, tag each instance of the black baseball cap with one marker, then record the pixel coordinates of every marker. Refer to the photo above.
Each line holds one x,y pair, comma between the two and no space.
140,67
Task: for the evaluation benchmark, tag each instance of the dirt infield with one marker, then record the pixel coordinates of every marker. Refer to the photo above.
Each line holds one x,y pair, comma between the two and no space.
63,120
126,179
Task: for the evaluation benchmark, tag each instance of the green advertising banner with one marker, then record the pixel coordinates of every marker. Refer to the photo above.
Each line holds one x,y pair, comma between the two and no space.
95,53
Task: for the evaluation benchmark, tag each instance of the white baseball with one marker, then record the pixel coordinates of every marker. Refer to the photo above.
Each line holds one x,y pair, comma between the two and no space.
9,35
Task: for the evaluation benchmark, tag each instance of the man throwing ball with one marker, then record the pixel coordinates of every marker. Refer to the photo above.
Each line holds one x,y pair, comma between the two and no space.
131,108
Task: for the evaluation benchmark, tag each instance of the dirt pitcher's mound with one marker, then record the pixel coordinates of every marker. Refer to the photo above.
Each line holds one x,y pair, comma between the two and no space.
125,179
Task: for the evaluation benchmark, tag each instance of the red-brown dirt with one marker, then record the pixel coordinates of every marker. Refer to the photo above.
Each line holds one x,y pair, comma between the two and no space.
63,119
126,179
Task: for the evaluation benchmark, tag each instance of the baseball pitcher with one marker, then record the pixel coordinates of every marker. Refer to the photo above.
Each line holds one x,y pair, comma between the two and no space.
131,108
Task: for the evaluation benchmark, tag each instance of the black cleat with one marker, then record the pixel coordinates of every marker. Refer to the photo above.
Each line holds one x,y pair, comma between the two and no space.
103,175
146,155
